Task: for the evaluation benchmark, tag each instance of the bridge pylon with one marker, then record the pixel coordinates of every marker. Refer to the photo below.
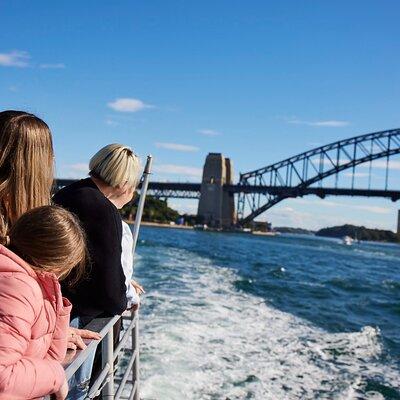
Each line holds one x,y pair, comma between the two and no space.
216,205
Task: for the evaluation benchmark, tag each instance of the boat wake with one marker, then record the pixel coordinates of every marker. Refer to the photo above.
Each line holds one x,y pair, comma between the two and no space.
204,339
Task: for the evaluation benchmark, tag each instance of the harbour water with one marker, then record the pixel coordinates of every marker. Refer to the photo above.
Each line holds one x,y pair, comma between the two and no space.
230,316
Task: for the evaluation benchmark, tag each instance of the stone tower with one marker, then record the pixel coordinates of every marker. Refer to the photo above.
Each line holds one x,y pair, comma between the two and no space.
216,206
228,199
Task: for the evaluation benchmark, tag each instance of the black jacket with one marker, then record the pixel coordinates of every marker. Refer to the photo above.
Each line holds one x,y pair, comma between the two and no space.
102,292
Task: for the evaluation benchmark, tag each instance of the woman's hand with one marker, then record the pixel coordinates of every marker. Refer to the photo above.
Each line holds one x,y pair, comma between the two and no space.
62,393
139,289
134,307
76,335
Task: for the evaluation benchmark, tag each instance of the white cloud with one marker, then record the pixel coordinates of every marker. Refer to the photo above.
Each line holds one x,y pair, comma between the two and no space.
182,170
328,203
79,167
176,147
287,209
315,144
52,66
314,218
209,132
357,174
15,59
332,123
287,216
74,171
21,59
325,161
128,105
111,122
374,209
184,206
380,164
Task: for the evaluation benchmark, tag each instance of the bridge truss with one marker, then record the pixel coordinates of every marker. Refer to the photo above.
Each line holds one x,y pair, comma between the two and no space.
297,175
179,190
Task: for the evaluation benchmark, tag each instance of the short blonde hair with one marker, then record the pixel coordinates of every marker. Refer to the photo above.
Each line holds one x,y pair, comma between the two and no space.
116,165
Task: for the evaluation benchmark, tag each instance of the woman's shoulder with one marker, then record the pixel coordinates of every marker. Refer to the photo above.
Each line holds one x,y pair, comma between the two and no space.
84,195
84,188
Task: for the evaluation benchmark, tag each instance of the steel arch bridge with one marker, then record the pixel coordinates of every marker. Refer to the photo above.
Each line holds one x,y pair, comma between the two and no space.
295,176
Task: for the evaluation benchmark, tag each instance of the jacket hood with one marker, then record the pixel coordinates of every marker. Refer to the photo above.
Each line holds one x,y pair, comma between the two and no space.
10,262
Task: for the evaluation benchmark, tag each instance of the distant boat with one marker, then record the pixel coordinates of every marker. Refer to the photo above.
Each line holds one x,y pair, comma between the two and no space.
200,227
347,240
269,233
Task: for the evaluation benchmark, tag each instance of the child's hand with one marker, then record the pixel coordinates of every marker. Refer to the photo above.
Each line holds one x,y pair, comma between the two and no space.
139,289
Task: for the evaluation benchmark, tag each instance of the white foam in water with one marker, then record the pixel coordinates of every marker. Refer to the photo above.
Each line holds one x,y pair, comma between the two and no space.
205,340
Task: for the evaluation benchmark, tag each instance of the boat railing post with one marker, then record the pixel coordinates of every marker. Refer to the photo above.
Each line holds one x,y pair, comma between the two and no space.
135,234
135,353
107,352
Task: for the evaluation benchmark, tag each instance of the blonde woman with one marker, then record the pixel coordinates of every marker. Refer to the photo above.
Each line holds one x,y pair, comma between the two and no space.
114,175
44,245
26,177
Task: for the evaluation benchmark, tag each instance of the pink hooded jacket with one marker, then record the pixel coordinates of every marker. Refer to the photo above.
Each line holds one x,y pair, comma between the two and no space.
34,320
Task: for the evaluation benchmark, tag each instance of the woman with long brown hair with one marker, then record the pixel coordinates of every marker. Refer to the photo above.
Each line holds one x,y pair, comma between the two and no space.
26,166
26,177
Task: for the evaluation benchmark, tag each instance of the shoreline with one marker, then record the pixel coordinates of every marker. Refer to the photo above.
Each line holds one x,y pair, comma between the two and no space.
255,233
160,225
188,227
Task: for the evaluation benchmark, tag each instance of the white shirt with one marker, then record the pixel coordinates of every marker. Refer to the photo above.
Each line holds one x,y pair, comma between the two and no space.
127,264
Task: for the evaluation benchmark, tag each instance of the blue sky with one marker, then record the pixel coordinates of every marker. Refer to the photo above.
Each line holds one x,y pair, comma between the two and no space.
258,81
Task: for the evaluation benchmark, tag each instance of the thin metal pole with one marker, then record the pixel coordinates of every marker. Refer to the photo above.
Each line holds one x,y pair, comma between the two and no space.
135,348
142,198
107,352
136,227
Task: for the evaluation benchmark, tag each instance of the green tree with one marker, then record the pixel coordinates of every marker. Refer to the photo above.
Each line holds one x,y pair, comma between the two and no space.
155,210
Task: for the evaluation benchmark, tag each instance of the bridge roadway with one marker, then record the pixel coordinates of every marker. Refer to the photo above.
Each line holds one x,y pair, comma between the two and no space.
192,191
187,190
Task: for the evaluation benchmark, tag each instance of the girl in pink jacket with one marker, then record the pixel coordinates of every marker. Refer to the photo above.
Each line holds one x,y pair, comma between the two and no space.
44,245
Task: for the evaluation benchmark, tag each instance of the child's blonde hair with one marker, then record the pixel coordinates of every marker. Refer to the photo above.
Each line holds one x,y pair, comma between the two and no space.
50,238
116,165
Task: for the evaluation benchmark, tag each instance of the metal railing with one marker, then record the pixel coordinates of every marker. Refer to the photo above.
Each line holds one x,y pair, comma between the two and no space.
122,362
124,359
